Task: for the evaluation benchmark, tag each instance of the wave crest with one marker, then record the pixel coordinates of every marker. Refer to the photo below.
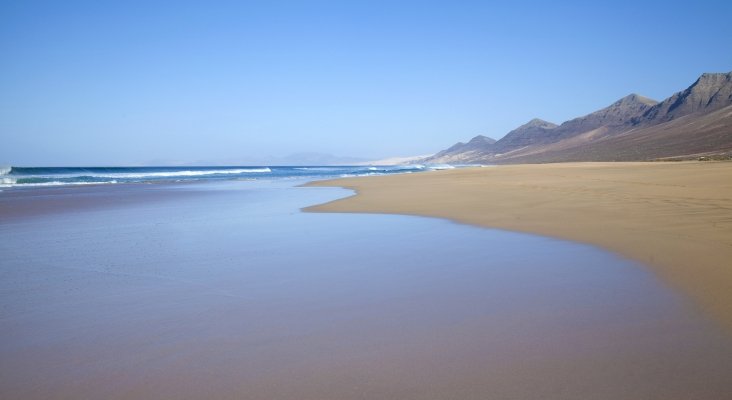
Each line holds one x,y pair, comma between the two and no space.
167,174
6,181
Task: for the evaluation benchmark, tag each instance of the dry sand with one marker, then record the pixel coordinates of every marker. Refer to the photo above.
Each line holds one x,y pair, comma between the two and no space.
673,217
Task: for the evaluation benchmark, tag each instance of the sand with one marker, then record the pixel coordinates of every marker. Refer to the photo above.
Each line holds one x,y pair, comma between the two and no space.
224,290
674,217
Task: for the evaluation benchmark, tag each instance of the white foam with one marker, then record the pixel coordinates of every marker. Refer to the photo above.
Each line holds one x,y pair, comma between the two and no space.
178,173
438,167
317,169
407,167
53,183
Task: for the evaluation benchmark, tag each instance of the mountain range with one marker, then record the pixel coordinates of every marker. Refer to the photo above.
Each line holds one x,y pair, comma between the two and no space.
693,123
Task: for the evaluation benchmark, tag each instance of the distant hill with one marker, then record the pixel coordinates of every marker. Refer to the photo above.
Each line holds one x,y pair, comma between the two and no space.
313,158
296,159
692,123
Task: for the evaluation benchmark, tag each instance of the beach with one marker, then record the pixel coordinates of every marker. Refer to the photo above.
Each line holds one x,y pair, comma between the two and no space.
365,201
674,217
225,289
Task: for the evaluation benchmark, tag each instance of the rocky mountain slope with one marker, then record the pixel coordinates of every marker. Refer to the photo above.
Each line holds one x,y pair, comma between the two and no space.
709,93
696,121
474,149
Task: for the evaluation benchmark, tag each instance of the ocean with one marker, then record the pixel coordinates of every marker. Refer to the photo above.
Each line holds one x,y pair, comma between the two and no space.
25,177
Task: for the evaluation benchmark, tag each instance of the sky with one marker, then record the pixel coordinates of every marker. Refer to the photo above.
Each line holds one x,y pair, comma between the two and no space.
175,82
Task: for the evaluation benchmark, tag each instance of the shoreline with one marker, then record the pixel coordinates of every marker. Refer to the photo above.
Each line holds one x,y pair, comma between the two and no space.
676,218
226,290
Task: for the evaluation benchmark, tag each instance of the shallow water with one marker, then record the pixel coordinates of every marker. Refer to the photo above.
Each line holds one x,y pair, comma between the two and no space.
227,290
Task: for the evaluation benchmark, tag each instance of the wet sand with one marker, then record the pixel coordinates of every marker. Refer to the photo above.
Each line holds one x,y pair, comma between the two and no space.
24,204
673,217
227,291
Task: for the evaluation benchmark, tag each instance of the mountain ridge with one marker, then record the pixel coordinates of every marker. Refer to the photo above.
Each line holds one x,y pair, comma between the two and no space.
594,137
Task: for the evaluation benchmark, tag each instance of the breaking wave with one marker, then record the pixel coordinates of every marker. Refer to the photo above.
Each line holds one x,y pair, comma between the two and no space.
12,177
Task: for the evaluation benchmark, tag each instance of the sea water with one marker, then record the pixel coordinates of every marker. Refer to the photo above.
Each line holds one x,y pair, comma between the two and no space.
24,177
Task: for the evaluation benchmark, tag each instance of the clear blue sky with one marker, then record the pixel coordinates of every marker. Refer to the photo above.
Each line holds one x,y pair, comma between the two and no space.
125,82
